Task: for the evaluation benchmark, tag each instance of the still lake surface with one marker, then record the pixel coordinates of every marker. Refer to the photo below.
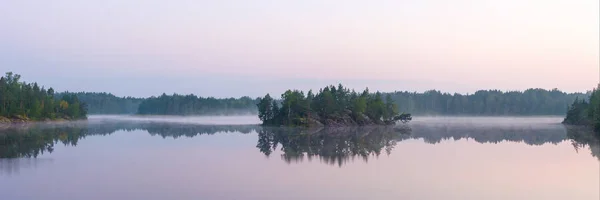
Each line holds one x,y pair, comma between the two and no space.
124,157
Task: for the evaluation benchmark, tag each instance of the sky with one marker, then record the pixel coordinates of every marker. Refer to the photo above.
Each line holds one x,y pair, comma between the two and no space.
232,48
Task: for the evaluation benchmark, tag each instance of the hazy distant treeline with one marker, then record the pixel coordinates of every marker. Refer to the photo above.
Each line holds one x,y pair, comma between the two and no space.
487,102
483,102
106,103
193,105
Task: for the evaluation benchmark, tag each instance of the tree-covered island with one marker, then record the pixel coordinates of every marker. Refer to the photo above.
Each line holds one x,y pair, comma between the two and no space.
331,106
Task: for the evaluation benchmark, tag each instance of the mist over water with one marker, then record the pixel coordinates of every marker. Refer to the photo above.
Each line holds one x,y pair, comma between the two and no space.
157,157
207,120
488,121
253,120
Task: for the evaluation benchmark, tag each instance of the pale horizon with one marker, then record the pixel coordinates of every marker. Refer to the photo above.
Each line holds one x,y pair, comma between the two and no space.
240,48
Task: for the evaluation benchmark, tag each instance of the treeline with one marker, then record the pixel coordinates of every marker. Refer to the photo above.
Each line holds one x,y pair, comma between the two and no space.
28,101
193,105
433,102
333,106
106,103
583,112
486,102
330,106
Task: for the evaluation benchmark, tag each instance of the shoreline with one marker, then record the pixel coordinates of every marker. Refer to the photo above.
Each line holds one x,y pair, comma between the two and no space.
25,120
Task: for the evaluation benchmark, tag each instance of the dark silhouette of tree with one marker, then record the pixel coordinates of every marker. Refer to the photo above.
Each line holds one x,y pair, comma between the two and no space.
585,113
578,113
334,106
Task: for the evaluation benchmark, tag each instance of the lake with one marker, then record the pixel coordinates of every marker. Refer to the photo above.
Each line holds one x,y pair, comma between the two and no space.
124,157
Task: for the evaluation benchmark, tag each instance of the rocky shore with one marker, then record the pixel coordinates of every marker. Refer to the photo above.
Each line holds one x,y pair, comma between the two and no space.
348,119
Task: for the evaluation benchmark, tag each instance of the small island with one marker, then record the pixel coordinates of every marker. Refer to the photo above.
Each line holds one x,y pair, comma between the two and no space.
25,102
331,106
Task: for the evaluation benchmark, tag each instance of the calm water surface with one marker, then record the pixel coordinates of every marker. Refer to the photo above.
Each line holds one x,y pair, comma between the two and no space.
118,157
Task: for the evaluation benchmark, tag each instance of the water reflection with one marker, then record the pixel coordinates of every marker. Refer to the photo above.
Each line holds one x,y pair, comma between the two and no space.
490,133
339,145
331,145
583,137
32,141
14,166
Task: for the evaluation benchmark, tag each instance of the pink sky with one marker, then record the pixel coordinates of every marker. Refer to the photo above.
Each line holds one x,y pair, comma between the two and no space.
455,46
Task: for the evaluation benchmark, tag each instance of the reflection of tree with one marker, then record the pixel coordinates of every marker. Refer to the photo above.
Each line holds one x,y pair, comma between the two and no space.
32,141
338,145
331,145
176,131
14,166
531,135
582,137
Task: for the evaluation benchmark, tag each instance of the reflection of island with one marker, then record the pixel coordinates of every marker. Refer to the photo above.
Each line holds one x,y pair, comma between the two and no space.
338,145
332,145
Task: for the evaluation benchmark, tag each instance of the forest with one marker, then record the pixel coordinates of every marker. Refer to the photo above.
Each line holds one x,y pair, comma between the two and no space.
105,103
481,103
433,102
585,112
333,103
193,105
487,102
331,106
21,101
